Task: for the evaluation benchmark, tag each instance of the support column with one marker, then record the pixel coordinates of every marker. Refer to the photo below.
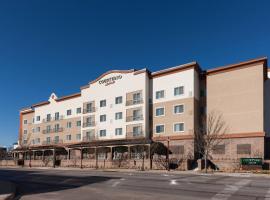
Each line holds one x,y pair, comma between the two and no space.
129,156
30,165
68,157
81,156
96,157
53,158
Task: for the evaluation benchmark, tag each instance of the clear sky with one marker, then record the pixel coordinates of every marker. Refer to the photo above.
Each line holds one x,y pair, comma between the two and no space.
57,46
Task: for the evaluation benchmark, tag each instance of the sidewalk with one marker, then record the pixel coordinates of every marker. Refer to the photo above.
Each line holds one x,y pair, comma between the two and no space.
7,190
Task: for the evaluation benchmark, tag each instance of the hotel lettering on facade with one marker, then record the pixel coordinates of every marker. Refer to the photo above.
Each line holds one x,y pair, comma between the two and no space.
137,107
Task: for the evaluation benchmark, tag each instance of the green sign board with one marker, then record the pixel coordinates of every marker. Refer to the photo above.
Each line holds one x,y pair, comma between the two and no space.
251,161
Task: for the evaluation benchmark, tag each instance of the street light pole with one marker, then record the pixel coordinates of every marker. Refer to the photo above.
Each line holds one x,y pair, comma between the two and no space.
168,152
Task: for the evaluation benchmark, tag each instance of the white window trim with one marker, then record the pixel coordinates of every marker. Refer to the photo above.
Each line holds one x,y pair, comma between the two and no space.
100,118
119,118
99,135
179,131
115,131
179,105
156,111
160,91
179,94
160,125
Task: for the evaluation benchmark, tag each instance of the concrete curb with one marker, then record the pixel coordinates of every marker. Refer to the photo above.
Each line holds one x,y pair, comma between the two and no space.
7,190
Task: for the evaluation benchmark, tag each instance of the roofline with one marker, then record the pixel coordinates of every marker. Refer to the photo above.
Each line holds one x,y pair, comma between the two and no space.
75,95
167,71
236,66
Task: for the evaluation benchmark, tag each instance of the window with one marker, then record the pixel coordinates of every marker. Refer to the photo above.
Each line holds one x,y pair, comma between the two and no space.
56,116
178,127
38,129
79,123
38,140
137,115
118,115
38,118
178,90
219,149
102,118
48,117
57,127
102,103
118,131
78,136
137,130
244,149
178,109
137,97
69,124
69,112
159,111
33,130
160,128
89,107
102,133
78,110
33,120
118,100
48,128
24,141
160,94
25,121
24,131
56,139
48,140
68,137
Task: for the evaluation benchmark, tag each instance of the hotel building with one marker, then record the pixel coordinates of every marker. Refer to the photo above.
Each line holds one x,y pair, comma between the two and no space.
137,107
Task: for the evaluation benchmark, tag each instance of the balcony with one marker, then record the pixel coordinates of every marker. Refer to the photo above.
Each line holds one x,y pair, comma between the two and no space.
134,118
53,119
53,142
134,102
131,135
89,124
54,130
89,110
89,138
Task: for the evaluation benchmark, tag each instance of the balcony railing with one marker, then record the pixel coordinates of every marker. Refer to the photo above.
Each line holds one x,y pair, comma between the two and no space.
89,138
89,110
134,102
134,118
53,130
89,124
52,142
135,134
53,119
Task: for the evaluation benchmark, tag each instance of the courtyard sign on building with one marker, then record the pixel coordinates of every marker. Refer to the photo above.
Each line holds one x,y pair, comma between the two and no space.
111,80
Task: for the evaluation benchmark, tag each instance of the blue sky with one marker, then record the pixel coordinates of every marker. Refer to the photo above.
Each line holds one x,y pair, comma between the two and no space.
57,46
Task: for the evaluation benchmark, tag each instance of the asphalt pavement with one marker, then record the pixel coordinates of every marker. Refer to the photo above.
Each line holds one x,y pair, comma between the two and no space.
71,184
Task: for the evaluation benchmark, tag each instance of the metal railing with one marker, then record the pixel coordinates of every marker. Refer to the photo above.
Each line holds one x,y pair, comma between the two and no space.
53,130
89,138
135,134
89,110
61,117
88,124
134,118
52,142
134,102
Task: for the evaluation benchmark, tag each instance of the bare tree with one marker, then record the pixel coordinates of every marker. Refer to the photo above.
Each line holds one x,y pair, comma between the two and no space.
209,135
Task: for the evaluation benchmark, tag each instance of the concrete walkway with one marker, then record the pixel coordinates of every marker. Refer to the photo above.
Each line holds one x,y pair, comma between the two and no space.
7,190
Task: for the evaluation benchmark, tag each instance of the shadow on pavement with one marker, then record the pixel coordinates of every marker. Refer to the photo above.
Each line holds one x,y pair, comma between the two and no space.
35,182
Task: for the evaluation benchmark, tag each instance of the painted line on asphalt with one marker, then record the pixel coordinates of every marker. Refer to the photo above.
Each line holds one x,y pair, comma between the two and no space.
229,190
173,182
115,183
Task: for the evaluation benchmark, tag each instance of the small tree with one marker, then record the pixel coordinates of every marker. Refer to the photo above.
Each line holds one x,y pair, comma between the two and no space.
209,135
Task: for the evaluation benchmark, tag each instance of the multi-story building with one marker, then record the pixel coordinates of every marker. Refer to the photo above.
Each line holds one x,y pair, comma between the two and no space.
135,107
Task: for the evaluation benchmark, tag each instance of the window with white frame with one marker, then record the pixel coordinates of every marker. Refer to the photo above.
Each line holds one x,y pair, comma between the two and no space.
68,137
178,90
48,117
102,133
178,127
38,118
24,131
56,139
25,121
137,97
56,116
160,128
118,115
78,136
102,118
160,94
160,111
118,100
79,123
79,110
118,131
69,124
69,112
137,130
102,103
178,109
